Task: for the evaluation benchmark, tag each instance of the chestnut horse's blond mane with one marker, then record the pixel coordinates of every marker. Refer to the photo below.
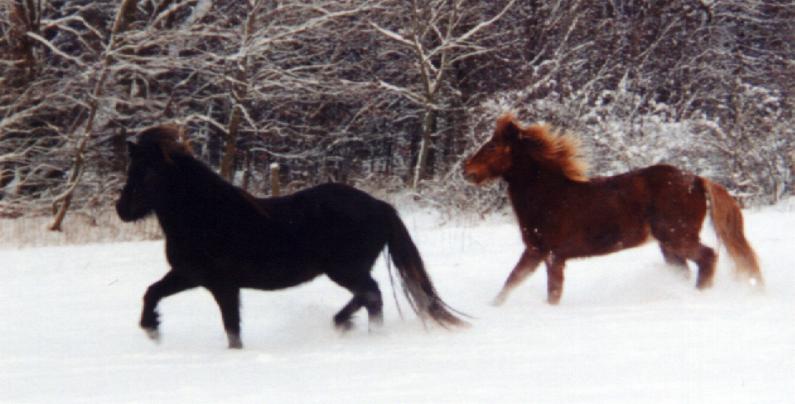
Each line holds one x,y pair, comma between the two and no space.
551,148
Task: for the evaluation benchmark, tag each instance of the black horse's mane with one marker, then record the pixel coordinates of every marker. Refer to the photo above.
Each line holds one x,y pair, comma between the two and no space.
169,140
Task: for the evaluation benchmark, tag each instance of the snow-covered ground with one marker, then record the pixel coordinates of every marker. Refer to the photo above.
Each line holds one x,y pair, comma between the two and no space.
629,330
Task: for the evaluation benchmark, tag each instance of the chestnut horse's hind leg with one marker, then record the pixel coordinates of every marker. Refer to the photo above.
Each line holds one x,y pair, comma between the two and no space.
170,284
671,258
555,267
705,258
525,267
675,260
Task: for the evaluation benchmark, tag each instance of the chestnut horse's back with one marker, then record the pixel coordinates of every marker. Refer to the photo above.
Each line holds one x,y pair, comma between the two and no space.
676,195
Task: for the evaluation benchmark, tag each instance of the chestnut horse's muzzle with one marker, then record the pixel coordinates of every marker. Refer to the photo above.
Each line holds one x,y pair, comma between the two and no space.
473,174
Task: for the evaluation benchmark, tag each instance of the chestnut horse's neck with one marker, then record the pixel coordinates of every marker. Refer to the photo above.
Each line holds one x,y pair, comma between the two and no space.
533,179
532,189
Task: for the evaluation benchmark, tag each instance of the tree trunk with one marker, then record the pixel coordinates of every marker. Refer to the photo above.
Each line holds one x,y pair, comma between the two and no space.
238,94
230,147
246,182
23,18
428,129
62,202
276,188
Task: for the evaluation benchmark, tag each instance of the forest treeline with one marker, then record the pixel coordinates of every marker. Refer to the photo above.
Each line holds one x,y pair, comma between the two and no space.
389,94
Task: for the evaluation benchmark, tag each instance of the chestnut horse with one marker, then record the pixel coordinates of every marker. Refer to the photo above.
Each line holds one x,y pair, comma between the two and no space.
221,238
564,214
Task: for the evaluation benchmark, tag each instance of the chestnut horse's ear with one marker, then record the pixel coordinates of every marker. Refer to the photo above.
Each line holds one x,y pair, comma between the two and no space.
507,128
511,131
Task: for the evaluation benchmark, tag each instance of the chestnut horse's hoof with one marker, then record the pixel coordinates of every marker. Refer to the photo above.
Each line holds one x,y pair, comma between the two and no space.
757,283
499,300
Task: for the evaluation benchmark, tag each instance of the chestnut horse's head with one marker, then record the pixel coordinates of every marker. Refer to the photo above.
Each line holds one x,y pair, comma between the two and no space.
532,147
150,157
494,159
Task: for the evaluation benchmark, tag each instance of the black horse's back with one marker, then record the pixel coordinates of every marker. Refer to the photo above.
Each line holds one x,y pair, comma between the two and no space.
335,222
330,229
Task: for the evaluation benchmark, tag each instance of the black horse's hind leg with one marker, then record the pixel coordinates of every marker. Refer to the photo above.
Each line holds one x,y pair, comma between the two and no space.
228,299
374,304
365,294
342,320
170,284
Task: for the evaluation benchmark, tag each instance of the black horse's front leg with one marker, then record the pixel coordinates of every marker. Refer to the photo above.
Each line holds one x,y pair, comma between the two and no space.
170,284
228,299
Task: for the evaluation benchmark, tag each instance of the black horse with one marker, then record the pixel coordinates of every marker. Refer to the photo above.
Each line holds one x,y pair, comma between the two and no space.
220,237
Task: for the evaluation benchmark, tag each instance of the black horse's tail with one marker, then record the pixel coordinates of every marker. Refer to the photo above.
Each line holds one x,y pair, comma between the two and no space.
414,279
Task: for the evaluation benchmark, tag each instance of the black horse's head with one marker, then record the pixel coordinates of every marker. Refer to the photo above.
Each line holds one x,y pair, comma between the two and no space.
151,156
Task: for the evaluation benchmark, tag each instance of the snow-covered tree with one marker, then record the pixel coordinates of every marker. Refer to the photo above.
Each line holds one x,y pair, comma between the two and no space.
387,94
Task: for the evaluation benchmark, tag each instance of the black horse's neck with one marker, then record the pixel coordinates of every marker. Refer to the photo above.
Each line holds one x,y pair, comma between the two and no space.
193,195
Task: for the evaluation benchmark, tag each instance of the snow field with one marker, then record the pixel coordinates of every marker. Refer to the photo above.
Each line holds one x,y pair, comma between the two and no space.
629,329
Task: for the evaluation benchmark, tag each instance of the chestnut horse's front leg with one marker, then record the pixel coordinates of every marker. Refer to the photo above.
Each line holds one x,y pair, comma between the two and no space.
527,264
171,283
555,267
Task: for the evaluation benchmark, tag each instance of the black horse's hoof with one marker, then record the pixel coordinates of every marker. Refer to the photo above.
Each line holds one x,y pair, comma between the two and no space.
343,326
234,341
152,333
375,323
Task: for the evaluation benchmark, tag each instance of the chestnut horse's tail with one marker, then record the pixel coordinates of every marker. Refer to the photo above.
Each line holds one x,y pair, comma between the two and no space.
416,283
728,222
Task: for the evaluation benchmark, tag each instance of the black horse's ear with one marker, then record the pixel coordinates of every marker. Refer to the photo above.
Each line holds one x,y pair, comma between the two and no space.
131,148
